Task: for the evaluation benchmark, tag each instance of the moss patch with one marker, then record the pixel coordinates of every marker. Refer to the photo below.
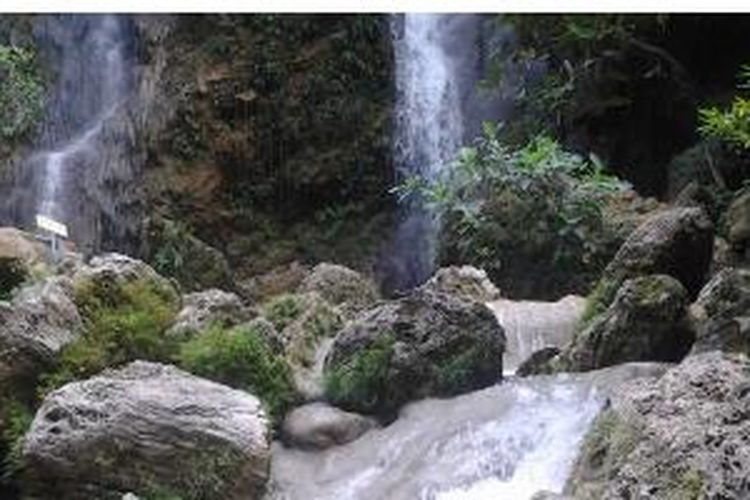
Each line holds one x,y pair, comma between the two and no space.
242,359
120,326
12,274
362,383
599,300
283,310
606,447
455,374
16,420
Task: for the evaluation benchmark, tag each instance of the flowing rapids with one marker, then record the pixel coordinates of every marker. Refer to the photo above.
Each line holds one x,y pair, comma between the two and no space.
505,442
530,325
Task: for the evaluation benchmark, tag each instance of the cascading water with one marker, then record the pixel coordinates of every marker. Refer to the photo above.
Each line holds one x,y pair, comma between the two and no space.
532,325
98,97
439,60
86,157
505,442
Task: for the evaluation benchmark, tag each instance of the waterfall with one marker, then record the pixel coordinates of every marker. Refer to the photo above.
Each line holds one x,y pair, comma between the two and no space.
91,84
505,442
87,156
429,122
532,325
439,61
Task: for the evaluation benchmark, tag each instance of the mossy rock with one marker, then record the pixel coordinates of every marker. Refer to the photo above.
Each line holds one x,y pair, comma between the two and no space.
647,321
242,358
426,344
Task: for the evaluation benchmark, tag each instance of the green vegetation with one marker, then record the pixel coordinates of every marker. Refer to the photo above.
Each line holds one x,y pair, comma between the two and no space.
16,420
584,57
12,274
21,92
535,209
605,449
121,326
455,374
599,300
242,359
689,486
169,257
730,126
319,321
363,381
283,310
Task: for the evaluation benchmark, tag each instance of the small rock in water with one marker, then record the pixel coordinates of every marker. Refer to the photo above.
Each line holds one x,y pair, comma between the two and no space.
320,426
536,363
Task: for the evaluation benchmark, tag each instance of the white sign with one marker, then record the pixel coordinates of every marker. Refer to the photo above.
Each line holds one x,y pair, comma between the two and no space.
52,226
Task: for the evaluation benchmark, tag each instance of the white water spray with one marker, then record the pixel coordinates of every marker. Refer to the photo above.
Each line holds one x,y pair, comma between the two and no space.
102,95
505,442
429,125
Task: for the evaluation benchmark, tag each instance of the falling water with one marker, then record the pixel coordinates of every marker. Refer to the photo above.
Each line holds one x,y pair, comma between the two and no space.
99,98
532,325
87,155
429,124
439,61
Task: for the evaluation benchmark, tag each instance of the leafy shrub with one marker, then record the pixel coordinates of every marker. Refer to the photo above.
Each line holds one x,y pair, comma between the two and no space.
730,126
12,274
17,419
115,333
21,92
242,359
283,310
537,210
364,380
585,61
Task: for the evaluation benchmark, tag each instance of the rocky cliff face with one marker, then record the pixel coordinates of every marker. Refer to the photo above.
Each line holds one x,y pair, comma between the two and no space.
276,133
256,132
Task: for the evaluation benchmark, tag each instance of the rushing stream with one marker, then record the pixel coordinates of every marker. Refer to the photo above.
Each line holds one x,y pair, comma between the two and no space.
505,442
531,325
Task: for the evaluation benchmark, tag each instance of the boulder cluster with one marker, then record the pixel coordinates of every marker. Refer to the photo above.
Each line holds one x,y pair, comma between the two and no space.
135,387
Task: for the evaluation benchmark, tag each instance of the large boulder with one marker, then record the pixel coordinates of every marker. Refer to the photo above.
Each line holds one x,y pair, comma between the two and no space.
319,426
678,242
722,312
21,256
425,344
647,321
682,436
108,278
39,321
465,281
341,286
144,428
278,281
200,310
